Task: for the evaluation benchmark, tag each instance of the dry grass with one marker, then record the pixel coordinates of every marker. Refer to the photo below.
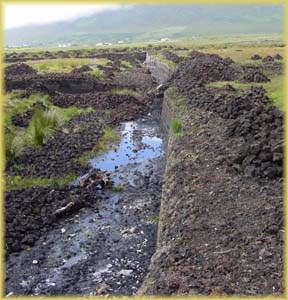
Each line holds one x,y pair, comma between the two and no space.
242,53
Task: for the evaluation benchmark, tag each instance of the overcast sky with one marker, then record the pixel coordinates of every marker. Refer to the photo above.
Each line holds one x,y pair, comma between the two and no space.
18,15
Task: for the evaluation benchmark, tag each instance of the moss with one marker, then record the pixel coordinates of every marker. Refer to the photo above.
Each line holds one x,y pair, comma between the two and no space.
118,188
18,182
128,92
153,220
166,61
109,135
66,64
88,234
125,63
96,73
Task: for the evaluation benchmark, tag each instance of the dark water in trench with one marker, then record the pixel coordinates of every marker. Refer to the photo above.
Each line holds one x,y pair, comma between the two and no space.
105,250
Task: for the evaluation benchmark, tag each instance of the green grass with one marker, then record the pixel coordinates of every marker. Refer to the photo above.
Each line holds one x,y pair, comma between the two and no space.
14,145
176,126
18,182
125,63
166,61
181,42
274,88
66,64
96,73
41,126
177,104
109,135
65,114
13,105
44,123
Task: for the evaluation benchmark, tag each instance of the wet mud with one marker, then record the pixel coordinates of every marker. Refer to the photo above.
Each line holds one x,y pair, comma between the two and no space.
104,248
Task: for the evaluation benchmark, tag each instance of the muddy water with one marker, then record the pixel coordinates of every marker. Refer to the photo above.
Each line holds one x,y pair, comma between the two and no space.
104,249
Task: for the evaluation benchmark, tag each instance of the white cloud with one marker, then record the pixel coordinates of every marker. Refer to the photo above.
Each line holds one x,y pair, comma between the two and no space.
16,15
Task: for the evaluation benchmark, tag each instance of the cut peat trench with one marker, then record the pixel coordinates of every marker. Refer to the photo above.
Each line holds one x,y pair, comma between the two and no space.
221,220
105,250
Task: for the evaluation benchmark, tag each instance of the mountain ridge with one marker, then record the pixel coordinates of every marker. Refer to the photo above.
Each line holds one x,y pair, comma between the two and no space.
153,22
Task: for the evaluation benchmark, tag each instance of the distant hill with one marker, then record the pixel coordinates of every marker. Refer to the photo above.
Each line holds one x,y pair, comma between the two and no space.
153,22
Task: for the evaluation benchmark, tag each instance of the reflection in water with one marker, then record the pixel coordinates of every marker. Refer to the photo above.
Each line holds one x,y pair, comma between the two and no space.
139,142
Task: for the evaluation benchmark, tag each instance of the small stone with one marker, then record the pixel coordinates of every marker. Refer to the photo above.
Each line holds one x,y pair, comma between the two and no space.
63,230
125,272
35,262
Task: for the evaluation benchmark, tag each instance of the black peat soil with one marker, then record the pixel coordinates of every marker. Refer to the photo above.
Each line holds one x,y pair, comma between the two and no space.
221,219
103,249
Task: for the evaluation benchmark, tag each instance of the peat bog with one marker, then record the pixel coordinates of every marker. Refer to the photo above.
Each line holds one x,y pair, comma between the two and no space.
155,171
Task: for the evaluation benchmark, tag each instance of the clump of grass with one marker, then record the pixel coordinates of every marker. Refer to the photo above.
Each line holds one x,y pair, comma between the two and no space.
18,182
44,122
14,145
176,126
110,134
42,125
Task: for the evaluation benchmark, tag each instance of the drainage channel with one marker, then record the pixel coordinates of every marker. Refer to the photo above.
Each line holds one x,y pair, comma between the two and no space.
105,250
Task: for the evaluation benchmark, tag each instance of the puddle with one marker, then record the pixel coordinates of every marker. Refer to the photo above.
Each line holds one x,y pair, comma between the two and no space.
103,245
139,142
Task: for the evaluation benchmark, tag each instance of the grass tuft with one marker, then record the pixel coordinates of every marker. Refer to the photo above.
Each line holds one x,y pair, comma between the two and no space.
14,145
176,126
42,125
